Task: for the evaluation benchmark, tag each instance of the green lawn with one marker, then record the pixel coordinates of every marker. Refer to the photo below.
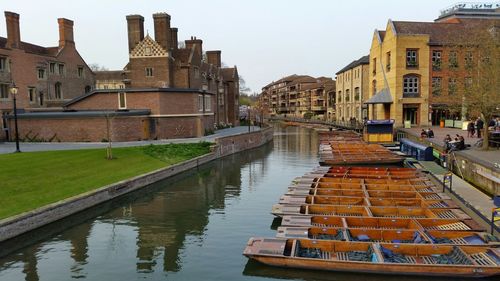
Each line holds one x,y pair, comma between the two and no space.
30,180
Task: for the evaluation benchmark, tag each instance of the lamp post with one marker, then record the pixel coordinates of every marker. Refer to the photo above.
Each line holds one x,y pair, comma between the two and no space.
13,92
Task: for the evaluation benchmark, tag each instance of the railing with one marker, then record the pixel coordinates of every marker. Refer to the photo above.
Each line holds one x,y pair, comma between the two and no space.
351,125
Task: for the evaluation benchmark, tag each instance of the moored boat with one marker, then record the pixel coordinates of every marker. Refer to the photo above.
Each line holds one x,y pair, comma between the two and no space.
382,258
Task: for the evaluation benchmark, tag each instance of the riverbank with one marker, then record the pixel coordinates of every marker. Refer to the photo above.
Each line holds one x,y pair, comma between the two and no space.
18,224
35,179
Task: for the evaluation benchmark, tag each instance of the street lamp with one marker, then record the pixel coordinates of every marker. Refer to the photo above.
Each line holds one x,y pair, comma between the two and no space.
13,92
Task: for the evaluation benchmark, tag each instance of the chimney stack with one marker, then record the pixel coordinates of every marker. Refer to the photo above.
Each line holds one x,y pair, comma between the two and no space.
214,57
135,28
65,32
193,42
162,30
13,33
173,33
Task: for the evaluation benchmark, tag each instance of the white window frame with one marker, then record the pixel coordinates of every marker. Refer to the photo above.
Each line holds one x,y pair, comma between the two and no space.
80,72
43,71
61,69
60,97
120,105
4,64
411,85
4,94
52,67
208,103
32,94
200,103
411,54
149,72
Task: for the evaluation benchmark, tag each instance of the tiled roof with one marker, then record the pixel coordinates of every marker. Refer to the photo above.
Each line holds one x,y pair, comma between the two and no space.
362,60
32,48
384,96
444,32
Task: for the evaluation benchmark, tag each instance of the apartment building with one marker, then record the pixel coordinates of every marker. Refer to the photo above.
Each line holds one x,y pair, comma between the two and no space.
352,90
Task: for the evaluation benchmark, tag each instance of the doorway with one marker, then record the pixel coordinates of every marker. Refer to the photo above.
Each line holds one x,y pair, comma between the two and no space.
410,113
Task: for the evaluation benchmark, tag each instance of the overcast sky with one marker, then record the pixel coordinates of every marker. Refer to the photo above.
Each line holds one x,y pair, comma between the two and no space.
266,39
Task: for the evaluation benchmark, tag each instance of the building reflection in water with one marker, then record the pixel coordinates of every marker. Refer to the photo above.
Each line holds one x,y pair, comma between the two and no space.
158,218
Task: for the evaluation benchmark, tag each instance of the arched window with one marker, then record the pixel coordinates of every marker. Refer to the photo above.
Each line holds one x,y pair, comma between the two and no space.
411,86
58,91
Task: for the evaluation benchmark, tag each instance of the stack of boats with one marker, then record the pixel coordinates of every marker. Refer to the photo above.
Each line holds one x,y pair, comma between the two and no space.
347,148
377,220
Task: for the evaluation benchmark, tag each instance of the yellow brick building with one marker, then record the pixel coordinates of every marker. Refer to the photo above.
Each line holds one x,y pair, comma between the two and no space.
352,90
399,76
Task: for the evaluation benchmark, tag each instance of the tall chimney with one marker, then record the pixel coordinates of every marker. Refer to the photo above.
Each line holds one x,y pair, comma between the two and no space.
193,42
162,30
65,32
13,33
135,27
214,57
173,33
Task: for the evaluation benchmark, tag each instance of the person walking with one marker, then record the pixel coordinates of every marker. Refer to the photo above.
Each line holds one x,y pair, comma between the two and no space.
470,129
479,126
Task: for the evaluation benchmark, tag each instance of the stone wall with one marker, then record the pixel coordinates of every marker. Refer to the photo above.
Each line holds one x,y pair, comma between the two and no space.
22,223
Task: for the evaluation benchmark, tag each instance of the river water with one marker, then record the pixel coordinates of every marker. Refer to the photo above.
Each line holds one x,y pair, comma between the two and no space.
193,226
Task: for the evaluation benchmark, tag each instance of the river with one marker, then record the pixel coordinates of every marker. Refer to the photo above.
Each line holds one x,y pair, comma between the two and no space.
193,226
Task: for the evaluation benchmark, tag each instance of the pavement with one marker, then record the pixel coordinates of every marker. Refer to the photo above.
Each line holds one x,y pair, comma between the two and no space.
470,196
9,147
490,157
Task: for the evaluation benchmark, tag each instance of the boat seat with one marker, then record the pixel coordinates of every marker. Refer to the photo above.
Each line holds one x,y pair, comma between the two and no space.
483,259
450,226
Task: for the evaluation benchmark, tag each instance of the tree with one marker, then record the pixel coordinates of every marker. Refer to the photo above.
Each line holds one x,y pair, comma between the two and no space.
475,91
97,67
243,87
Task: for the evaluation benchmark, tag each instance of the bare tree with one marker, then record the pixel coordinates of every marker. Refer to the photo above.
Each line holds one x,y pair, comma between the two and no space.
97,67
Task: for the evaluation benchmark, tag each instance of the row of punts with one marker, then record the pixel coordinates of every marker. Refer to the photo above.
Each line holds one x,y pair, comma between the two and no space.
387,220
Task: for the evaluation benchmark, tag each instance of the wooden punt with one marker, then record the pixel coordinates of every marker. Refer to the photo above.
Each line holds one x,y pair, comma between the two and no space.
381,258
327,210
383,223
415,236
409,212
346,198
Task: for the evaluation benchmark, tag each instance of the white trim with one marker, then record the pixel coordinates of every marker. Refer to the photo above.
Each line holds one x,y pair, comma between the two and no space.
125,100
182,115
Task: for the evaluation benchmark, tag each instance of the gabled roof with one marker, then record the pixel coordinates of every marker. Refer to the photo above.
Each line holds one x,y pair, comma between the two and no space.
444,32
384,96
148,48
353,64
229,73
32,48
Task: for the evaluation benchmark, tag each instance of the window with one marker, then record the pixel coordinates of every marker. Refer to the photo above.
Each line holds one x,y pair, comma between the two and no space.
468,59
356,94
374,87
121,86
80,71
122,101
411,58
208,103
4,91
196,72
87,89
41,73
61,69
374,66
452,86
388,58
410,86
32,94
149,72
3,64
453,60
347,95
468,84
436,86
200,103
105,87
52,67
436,60
340,96
41,98
58,91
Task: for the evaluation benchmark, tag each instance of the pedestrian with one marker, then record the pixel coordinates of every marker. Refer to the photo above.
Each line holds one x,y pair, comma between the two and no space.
470,129
479,126
423,134
430,133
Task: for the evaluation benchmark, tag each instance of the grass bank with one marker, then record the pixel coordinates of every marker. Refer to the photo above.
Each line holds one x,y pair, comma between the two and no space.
30,180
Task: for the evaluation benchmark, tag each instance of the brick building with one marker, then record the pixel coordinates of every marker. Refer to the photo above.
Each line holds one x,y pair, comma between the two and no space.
163,92
412,64
47,77
352,90
296,95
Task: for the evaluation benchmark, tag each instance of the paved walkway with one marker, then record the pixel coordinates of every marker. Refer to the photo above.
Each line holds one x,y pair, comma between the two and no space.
9,147
474,199
490,158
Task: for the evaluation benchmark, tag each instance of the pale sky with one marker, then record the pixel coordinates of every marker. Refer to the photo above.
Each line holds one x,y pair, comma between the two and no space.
266,39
